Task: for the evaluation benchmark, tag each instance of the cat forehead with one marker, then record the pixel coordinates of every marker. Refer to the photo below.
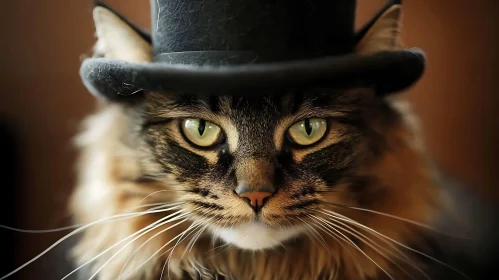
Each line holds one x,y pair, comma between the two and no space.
220,103
276,105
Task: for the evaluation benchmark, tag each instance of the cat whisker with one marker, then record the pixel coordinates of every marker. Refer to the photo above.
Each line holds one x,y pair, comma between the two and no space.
39,230
218,247
201,274
356,263
194,226
396,251
230,245
138,248
138,234
160,191
214,236
204,269
353,222
222,248
157,251
170,227
156,205
344,218
420,224
36,231
315,234
368,241
279,242
193,240
328,229
80,229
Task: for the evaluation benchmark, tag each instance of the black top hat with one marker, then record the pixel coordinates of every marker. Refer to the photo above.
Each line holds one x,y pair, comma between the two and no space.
253,46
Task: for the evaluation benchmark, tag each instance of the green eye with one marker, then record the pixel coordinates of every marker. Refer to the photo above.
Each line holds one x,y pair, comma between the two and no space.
201,132
308,131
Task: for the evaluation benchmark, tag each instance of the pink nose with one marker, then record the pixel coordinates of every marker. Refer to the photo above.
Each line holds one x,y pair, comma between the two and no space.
256,198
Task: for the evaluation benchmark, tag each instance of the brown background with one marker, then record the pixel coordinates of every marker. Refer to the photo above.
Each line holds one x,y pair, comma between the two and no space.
41,94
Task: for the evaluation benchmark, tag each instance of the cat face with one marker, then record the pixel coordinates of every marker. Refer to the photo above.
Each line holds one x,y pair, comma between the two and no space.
257,172
290,153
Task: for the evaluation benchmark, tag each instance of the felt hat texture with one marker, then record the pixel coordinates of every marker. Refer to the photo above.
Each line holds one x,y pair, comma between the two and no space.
252,47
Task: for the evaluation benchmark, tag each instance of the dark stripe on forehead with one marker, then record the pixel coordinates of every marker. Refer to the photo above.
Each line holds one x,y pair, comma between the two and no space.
237,101
298,99
214,103
276,99
321,101
252,104
188,102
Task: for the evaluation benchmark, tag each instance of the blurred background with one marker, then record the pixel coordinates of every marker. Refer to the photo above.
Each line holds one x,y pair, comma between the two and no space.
43,101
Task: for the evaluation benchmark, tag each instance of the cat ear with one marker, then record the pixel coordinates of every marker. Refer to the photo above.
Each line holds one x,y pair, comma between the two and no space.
117,39
384,33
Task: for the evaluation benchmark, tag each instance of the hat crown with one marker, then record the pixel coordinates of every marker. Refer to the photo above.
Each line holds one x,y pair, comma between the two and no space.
238,35
271,29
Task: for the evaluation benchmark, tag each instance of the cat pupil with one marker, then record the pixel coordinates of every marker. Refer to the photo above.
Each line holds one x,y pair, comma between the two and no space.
308,127
201,127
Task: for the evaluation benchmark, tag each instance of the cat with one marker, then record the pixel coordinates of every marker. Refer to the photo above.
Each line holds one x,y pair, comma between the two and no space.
345,187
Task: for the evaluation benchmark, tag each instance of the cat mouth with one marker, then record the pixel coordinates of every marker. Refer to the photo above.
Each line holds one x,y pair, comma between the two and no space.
256,235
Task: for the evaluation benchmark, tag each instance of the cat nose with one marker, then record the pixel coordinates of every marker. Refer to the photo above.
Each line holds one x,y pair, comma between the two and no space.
256,198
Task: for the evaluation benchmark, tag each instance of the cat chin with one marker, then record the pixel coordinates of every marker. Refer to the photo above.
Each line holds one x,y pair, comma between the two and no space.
256,236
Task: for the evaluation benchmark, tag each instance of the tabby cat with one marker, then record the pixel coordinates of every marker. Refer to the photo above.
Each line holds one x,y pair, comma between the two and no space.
321,183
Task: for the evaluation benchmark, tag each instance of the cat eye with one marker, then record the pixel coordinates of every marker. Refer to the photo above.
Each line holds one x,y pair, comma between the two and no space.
201,132
308,131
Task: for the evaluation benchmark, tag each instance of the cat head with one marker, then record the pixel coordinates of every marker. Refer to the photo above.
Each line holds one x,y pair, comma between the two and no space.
258,171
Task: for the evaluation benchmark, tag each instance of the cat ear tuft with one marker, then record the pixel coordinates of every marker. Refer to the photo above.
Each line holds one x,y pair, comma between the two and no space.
116,39
384,34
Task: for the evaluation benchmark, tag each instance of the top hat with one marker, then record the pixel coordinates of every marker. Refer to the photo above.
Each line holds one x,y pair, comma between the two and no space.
252,47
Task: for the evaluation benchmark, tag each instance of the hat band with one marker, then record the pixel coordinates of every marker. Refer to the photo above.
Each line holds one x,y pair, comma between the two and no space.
212,58
221,58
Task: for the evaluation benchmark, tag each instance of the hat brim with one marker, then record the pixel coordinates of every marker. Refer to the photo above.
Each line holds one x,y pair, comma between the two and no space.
387,72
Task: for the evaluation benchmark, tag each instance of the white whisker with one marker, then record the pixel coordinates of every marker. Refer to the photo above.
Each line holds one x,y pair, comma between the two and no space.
192,227
214,237
206,269
155,193
156,205
420,224
136,214
155,253
138,248
230,245
146,229
218,247
339,216
316,234
190,245
170,227
36,231
356,263
329,228
368,241
400,255
40,230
